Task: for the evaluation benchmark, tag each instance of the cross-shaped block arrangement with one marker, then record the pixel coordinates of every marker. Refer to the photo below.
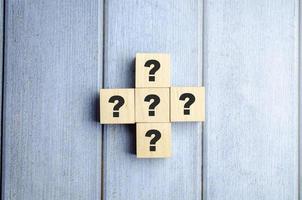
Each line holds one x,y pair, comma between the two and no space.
153,104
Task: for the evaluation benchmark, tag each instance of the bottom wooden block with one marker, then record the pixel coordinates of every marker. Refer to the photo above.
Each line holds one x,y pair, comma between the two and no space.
153,140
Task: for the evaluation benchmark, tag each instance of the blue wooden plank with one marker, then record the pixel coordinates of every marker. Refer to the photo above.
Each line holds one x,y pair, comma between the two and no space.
172,26
251,76
53,70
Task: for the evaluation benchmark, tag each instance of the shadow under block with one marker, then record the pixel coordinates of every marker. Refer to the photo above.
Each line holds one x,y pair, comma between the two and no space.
152,70
187,104
117,106
152,104
153,140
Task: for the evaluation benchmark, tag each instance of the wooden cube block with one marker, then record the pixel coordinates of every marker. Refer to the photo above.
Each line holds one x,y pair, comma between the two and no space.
152,104
117,106
187,104
153,140
152,70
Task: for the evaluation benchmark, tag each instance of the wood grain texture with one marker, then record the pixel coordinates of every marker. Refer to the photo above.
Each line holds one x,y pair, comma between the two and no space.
53,71
124,113
251,80
161,111
146,132
181,111
172,26
144,67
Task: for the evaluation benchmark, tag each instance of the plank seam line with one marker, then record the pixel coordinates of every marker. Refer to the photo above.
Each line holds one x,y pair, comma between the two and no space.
103,35
201,75
203,136
2,98
299,97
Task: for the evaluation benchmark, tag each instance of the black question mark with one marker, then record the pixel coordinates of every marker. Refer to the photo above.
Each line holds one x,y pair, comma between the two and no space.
155,102
187,105
120,102
153,141
156,66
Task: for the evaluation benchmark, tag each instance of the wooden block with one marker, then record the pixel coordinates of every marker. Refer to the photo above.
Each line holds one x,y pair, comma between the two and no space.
152,70
117,106
187,104
152,104
153,140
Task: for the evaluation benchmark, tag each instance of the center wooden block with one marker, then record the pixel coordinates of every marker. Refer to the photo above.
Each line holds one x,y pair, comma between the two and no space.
153,140
152,104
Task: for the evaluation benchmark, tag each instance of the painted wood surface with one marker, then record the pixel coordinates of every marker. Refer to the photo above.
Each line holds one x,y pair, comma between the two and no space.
251,76
172,26
54,148
52,140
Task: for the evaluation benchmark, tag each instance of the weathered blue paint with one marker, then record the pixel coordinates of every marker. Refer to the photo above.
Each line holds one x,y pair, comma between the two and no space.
51,135
172,26
53,69
251,76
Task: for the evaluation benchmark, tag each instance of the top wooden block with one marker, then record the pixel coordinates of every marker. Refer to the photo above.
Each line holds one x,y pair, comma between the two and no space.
152,70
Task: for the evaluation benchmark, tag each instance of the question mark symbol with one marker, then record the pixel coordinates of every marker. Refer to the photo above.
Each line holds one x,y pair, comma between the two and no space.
155,102
187,105
153,141
156,66
120,102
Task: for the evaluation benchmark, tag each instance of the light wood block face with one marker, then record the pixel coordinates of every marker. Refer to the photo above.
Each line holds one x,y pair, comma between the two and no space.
152,104
153,140
187,104
117,106
152,70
